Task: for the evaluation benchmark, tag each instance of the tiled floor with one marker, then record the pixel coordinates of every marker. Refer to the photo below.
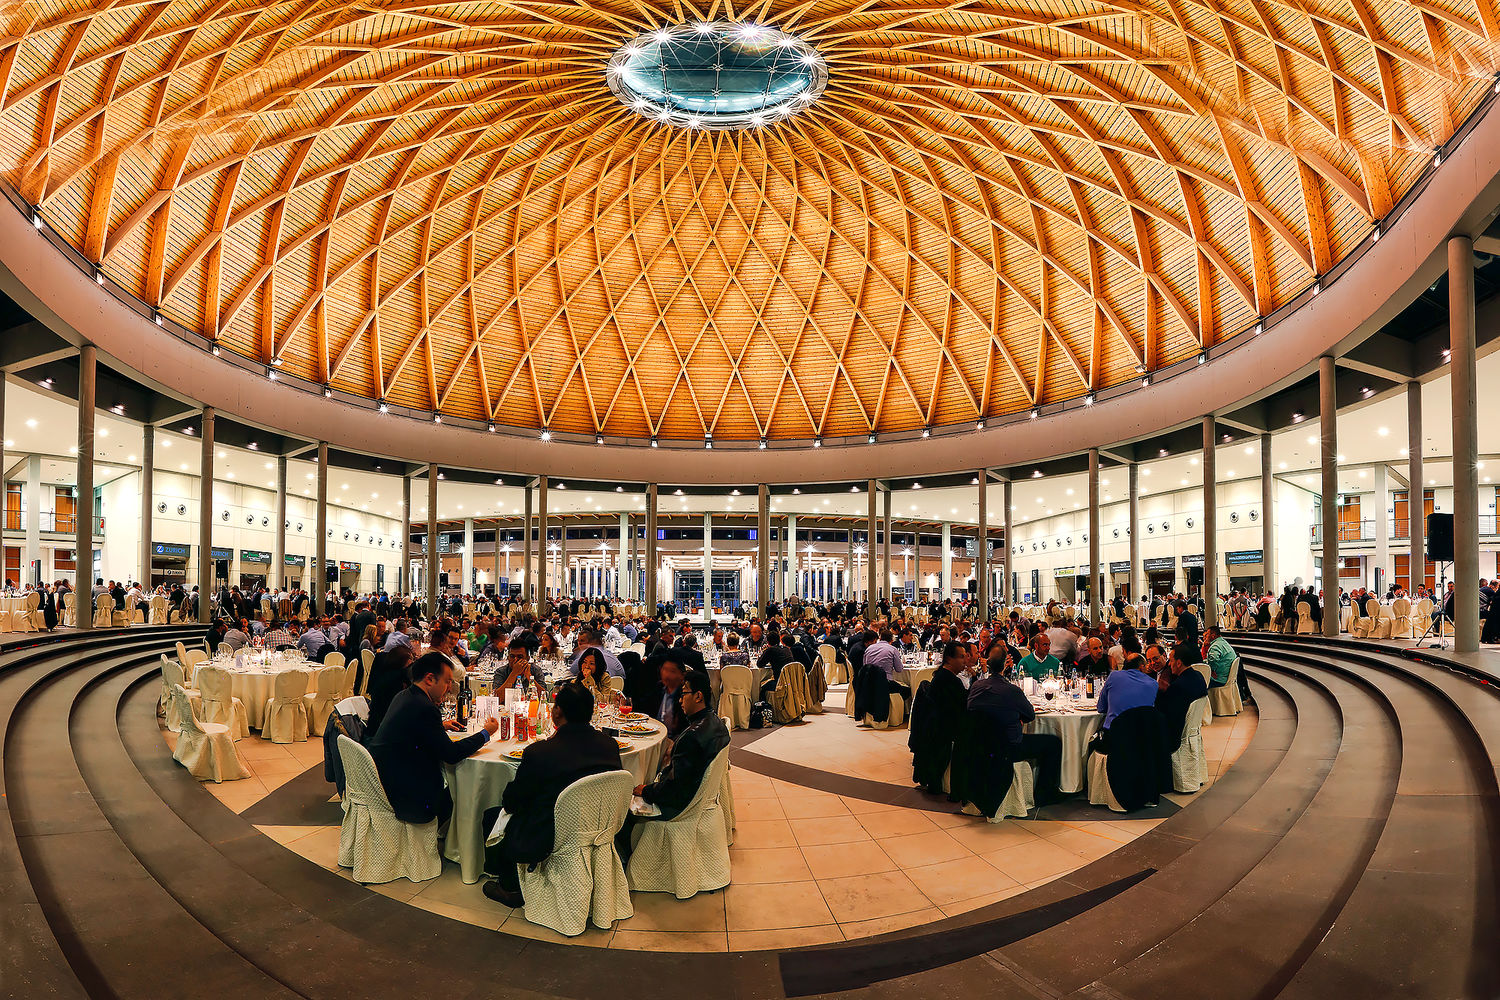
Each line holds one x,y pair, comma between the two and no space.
809,866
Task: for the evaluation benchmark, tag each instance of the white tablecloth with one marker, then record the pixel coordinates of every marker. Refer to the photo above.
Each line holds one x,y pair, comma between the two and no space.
10,607
1075,729
253,682
478,783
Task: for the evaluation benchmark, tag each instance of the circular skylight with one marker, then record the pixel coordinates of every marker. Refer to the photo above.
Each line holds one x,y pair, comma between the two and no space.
717,74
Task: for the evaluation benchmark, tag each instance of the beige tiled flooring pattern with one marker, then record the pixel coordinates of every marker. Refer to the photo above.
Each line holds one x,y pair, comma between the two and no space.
809,867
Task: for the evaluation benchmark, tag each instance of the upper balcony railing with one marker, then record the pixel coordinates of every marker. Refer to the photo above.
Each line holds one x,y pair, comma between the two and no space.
64,523
1400,529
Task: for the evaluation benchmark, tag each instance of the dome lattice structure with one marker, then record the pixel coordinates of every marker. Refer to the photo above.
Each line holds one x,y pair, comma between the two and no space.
990,205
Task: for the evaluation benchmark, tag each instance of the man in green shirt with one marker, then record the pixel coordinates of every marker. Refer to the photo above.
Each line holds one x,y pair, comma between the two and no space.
1039,662
1219,655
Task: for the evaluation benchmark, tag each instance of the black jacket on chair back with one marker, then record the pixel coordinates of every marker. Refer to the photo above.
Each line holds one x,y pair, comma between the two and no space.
1139,762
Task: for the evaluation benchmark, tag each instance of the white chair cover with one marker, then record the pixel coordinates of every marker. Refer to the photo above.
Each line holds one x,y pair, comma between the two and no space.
159,609
582,880
1400,618
836,672
1383,623
1189,763
1019,801
1100,794
1363,626
70,609
372,841
333,660
1226,700
726,803
1304,617
104,611
689,853
329,691
172,676
285,717
205,749
895,717
367,657
219,703
737,694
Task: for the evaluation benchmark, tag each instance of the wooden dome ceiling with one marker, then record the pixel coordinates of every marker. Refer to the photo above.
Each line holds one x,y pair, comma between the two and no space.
991,204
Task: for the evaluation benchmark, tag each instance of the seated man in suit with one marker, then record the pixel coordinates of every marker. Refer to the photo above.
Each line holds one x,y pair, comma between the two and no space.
1177,688
574,750
1007,709
412,745
693,748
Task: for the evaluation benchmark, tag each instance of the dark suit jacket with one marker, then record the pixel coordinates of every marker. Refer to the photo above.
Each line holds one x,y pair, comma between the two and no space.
692,751
410,748
1186,688
549,766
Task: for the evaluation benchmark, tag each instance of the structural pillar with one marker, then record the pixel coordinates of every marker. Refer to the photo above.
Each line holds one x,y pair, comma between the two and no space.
982,547
946,584
1416,492
403,579
83,533
540,574
622,567
31,551
763,547
848,588
498,575
205,511
1210,520
1133,512
467,587
794,564
148,491
708,564
885,549
527,574
873,590
1267,519
564,584
1380,579
278,536
318,572
1463,380
1095,597
432,543
1328,418
1007,587
648,571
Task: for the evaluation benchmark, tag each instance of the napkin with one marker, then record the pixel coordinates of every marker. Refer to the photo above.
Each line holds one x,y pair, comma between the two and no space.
498,830
641,807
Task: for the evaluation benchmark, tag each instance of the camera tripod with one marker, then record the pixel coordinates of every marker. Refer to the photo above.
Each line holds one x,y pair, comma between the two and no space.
1437,622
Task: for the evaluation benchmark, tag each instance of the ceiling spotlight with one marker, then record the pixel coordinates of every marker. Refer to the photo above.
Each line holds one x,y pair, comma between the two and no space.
98,276
854,489
382,407
1035,413
1317,287
762,444
327,392
1298,416
1161,453
927,432
653,440
1088,400
253,446
1140,369
36,219
817,442
916,486
1437,160
708,443
156,316
546,434
796,491
1375,235
870,439
214,349
489,425
1036,474
619,489
979,424
1366,391
704,27
598,438
1202,357
271,373
1259,329
437,417
1145,381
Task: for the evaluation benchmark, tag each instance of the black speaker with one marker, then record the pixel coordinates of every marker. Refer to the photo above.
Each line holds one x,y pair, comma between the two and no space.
1440,537
221,569
973,586
333,574
443,580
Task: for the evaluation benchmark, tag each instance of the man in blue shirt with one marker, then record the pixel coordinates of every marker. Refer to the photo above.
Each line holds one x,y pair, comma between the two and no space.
314,641
1126,688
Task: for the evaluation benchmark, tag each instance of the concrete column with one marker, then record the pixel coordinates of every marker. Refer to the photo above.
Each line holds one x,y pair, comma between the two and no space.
1268,518
794,562
403,578
1415,504
205,513
499,575
431,589
763,547
946,584
1096,598
708,561
1328,419
1006,588
1210,520
467,587
1382,528
982,547
278,530
1461,347
318,572
83,534
873,589
31,548
885,548
539,574
649,570
148,508
564,585
622,568
1133,507
528,575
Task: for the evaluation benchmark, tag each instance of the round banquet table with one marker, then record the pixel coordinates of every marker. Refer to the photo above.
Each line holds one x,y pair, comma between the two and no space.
252,684
479,782
1075,729
10,607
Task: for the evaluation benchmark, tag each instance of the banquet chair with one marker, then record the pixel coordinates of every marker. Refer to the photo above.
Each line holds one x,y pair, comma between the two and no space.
638,648
726,803
333,660
1226,700
1384,621
285,717
1400,618
582,881
104,611
1361,626
1189,763
1019,800
367,657
1421,617
70,609
205,748
219,703
1100,794
159,609
30,619
372,841
193,657
1304,618
172,677
789,698
689,853
836,672
329,690
1208,677
737,694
